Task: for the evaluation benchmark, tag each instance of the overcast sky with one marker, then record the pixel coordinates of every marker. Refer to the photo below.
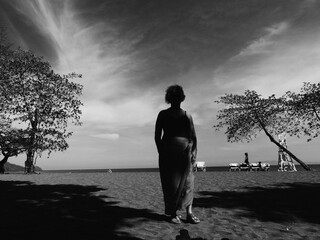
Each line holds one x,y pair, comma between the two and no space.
130,51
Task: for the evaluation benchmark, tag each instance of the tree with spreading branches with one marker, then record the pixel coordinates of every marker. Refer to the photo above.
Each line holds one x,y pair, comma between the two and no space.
249,114
39,100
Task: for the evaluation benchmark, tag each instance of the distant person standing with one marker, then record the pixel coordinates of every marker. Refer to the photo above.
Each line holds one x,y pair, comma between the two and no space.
246,159
176,143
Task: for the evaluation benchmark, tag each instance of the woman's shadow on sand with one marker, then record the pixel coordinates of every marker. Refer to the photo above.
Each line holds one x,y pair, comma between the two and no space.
64,212
281,203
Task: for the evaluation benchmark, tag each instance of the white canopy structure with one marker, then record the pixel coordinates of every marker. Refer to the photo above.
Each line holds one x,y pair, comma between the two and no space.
285,162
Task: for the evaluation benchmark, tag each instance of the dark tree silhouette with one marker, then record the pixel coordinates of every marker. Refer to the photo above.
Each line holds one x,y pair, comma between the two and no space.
12,143
249,114
44,102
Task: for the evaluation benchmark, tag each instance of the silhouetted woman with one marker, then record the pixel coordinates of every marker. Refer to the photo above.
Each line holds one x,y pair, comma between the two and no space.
176,142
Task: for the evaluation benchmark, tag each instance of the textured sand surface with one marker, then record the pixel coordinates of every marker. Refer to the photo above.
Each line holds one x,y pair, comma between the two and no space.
232,205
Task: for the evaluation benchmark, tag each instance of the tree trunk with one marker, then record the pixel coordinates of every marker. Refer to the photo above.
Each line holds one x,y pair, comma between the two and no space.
29,161
305,166
2,163
29,167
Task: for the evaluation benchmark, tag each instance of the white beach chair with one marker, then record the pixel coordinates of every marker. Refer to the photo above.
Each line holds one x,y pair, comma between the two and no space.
254,167
234,167
265,166
244,167
200,166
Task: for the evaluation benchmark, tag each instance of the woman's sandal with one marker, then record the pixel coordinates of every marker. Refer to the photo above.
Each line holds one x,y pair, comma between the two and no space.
191,218
175,220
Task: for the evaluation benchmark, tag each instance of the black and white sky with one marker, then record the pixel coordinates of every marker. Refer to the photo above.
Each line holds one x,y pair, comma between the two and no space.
130,51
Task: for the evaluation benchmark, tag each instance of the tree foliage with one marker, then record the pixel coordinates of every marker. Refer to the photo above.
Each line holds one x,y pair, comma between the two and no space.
247,115
304,110
12,143
10,138
40,100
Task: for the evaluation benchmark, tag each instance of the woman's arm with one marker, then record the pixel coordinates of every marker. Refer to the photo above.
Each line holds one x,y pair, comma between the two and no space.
193,137
158,131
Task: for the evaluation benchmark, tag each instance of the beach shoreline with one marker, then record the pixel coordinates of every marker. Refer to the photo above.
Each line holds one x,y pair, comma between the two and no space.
314,167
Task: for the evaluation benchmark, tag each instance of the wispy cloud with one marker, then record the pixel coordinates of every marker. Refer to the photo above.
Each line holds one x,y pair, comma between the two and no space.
263,44
136,112
277,62
107,100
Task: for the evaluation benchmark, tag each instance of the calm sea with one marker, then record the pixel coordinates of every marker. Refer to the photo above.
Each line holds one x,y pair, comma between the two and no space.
314,167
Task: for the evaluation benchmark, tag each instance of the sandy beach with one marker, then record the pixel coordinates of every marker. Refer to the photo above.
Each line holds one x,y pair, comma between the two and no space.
231,205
